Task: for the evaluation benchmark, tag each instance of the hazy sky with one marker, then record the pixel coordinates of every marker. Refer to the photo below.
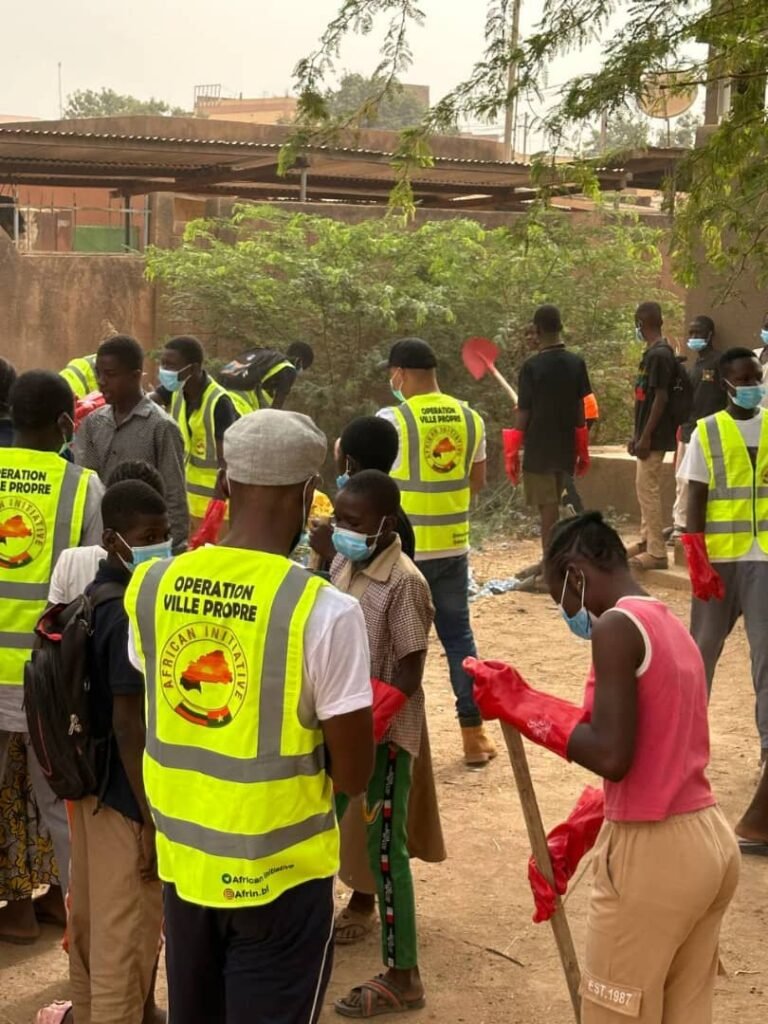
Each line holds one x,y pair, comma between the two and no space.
250,46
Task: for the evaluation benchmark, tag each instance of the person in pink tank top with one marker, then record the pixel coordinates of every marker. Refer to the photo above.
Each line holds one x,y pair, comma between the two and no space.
666,863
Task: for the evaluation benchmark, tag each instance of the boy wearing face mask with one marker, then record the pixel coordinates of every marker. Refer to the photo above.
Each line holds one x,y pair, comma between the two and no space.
397,606
114,925
708,398
726,540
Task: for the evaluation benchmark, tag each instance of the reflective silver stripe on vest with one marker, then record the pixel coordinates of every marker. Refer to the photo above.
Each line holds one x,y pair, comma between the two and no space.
721,491
17,641
25,591
449,519
209,461
77,373
269,764
734,526
201,490
414,481
242,846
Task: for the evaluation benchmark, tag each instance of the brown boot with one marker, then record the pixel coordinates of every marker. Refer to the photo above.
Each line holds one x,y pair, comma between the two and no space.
479,749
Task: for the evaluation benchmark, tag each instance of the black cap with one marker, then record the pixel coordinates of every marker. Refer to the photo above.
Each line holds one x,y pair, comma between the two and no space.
411,354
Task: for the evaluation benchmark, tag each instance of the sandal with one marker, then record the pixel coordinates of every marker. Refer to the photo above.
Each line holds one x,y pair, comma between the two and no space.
56,1013
376,997
351,926
646,561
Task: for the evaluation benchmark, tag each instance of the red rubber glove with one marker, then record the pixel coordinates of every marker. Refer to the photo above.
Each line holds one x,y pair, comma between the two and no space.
705,581
85,406
387,701
210,528
513,442
567,842
501,692
582,451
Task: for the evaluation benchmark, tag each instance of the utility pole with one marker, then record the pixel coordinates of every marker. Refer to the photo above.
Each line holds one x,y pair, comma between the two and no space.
510,118
61,101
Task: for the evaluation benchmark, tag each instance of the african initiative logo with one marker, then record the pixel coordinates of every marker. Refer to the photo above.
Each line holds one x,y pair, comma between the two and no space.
23,533
203,673
444,448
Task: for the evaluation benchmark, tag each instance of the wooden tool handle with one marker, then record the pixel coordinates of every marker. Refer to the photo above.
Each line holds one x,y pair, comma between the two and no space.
538,839
503,381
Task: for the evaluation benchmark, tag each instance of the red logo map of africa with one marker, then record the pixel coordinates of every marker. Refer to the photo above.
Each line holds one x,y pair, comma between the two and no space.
208,668
444,448
14,529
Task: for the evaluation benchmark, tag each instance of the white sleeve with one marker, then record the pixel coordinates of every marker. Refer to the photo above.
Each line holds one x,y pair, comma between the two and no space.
388,413
337,664
133,654
482,448
92,526
694,465
58,589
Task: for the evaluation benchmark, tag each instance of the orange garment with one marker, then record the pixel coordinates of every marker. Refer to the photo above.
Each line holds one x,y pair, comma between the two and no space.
591,410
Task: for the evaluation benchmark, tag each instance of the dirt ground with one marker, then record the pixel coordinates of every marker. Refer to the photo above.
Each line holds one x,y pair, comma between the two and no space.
475,909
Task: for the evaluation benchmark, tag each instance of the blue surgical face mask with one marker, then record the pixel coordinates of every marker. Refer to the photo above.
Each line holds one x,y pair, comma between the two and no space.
639,333
747,397
697,344
145,553
171,379
579,624
764,336
357,547
343,478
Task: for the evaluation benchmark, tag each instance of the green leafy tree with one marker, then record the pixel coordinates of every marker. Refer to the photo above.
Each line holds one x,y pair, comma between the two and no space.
623,131
398,108
108,103
681,132
716,41
267,276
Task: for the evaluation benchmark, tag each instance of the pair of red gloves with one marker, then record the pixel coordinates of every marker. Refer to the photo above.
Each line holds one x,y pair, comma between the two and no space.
501,692
706,582
513,441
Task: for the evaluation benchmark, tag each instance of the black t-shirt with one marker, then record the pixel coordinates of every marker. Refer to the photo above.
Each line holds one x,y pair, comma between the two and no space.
709,395
656,373
112,674
553,386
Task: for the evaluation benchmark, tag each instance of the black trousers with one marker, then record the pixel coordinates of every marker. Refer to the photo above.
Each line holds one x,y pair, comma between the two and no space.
254,965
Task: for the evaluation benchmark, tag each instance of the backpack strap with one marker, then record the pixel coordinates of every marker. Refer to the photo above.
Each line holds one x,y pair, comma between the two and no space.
100,593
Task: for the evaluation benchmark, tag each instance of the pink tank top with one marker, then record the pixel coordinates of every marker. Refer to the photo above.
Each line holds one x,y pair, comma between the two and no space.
668,773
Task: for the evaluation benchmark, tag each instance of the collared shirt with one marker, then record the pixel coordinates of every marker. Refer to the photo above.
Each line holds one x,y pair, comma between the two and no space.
148,434
398,611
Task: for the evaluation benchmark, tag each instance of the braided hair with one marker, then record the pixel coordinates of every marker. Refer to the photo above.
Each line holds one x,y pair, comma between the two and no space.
589,536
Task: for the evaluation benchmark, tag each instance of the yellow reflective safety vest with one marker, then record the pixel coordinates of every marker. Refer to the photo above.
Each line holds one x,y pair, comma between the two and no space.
80,374
251,401
199,433
439,439
42,509
237,785
737,500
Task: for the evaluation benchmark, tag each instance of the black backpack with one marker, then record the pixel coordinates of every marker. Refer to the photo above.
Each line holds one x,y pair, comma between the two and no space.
246,372
680,393
56,696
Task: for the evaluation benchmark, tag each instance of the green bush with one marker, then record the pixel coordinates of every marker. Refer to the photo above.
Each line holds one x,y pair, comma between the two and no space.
267,276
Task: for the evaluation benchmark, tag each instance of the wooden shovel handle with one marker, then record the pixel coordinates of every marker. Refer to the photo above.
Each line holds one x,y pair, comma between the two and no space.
503,381
538,840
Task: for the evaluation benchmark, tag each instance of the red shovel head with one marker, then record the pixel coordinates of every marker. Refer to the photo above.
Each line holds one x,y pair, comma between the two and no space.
478,354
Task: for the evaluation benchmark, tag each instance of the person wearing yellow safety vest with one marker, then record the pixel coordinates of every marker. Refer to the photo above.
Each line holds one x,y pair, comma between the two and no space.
258,691
47,504
726,538
440,464
203,411
80,374
262,378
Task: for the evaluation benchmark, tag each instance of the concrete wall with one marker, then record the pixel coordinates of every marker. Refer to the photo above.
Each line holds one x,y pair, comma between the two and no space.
739,319
610,484
54,306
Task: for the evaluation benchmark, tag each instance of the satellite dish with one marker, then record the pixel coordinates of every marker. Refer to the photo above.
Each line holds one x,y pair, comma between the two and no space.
667,94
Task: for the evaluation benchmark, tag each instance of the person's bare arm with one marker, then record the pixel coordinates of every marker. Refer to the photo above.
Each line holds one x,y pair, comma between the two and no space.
130,736
477,476
696,516
606,744
351,749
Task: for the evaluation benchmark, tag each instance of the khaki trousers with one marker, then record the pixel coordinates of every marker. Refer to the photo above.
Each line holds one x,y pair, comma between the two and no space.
114,924
648,485
659,895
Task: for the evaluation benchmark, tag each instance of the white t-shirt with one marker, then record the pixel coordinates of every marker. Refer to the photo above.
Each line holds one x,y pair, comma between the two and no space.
337,663
75,569
694,468
760,352
388,413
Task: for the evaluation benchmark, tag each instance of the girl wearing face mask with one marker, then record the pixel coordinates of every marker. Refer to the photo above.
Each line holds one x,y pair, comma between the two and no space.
666,862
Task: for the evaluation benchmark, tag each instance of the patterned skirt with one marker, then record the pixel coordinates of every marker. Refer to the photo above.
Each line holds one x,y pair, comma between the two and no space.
26,850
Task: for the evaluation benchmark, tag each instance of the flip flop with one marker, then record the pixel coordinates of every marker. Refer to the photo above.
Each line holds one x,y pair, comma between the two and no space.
56,1013
374,998
753,848
351,926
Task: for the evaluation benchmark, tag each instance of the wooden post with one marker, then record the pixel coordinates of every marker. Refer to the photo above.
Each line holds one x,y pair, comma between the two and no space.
540,850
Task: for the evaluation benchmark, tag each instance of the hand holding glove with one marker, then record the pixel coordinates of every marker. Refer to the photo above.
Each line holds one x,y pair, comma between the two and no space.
501,692
387,701
705,580
513,442
567,842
